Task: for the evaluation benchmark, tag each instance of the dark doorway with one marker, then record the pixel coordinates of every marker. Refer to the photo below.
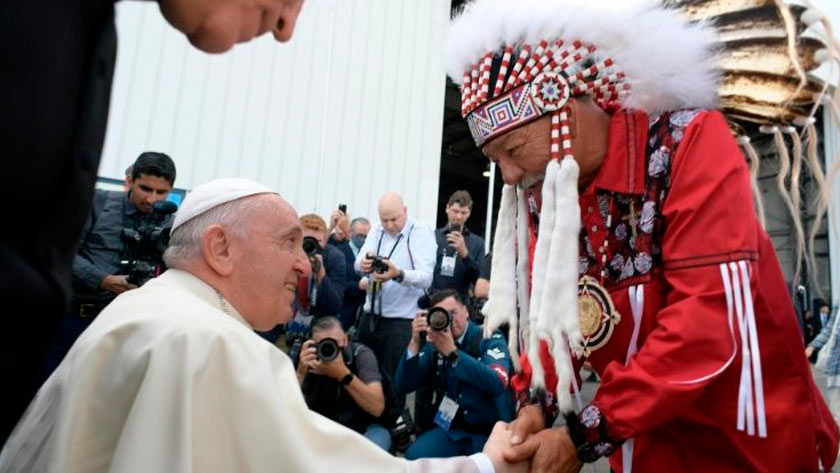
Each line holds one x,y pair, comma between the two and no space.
462,165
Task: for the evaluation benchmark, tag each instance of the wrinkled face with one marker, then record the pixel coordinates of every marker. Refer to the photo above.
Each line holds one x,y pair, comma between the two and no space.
459,314
214,26
393,219
456,214
268,260
146,190
524,151
336,333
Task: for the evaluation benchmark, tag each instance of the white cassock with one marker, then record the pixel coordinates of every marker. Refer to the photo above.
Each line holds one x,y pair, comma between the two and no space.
170,378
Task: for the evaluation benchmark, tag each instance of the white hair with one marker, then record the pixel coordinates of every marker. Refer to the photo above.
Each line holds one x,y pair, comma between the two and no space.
185,242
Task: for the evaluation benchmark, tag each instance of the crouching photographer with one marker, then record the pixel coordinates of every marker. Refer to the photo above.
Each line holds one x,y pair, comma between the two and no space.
342,381
469,375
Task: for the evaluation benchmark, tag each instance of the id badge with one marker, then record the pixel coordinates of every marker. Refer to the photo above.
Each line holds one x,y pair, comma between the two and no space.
446,413
447,266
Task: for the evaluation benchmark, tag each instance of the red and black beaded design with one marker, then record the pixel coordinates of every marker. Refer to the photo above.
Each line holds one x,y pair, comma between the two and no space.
635,223
517,85
589,433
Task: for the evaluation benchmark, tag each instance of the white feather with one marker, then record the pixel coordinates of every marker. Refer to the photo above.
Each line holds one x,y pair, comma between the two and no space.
669,61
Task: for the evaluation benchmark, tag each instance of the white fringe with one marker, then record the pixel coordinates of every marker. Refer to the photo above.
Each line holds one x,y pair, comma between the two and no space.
523,240
558,322
541,253
500,307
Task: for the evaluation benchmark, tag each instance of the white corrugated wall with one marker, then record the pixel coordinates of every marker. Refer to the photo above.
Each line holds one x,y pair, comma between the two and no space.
350,108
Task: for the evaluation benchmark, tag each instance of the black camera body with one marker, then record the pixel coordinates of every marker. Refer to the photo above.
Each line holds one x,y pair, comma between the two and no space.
144,246
379,264
438,319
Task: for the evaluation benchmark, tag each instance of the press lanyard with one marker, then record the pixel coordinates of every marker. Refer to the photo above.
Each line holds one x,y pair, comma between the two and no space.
393,248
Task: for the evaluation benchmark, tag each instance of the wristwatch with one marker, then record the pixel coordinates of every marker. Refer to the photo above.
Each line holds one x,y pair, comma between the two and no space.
347,379
400,277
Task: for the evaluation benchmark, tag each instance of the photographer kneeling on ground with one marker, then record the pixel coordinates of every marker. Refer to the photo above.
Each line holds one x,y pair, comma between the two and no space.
342,381
468,373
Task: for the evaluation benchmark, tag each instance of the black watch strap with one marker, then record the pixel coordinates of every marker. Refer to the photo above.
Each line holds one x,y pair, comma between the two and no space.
589,434
347,379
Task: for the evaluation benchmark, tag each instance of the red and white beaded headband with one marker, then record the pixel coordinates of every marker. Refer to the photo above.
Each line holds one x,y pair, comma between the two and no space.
541,81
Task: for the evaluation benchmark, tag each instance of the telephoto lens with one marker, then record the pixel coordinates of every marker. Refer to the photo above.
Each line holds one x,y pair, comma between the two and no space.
311,246
326,350
438,319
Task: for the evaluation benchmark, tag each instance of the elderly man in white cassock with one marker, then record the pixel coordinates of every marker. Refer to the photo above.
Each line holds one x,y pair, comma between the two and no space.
172,378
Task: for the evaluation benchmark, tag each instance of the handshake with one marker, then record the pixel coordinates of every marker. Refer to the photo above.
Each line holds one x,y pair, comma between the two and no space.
525,445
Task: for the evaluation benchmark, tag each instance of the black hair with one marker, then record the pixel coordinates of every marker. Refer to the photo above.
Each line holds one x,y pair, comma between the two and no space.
324,323
154,164
439,296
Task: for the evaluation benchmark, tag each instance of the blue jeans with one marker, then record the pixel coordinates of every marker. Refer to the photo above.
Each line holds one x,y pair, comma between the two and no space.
379,435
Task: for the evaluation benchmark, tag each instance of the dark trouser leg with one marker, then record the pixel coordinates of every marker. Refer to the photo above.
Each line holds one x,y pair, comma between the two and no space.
392,337
424,409
71,327
32,308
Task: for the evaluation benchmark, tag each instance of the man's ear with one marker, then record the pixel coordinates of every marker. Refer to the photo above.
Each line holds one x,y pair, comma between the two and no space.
216,249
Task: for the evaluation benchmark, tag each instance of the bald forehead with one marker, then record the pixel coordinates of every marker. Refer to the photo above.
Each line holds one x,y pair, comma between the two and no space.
391,202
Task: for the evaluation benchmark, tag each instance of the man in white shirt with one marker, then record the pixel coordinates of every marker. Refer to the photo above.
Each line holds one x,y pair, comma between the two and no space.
172,378
407,250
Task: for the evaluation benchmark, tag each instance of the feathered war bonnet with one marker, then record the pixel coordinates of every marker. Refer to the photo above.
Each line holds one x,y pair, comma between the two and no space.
768,50
517,61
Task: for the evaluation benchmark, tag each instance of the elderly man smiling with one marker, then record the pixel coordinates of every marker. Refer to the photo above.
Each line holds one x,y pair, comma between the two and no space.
171,377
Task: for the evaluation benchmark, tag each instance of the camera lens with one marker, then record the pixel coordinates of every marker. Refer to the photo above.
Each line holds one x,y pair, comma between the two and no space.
327,350
438,319
310,246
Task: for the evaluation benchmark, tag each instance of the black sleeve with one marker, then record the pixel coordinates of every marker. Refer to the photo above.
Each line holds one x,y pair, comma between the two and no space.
485,267
472,264
331,289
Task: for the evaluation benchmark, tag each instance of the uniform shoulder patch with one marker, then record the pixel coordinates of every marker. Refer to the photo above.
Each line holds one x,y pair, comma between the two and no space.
496,353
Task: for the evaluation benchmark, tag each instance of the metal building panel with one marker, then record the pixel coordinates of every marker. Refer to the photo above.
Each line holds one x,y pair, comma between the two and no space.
348,109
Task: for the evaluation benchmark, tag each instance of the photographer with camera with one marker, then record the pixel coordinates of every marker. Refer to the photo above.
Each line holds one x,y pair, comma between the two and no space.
396,264
460,252
121,246
469,375
322,291
342,382
348,236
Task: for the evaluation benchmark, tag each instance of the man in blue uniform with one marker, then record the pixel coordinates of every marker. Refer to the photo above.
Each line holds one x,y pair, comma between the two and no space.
469,375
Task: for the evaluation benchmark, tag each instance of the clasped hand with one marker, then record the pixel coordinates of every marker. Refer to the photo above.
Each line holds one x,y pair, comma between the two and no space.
527,441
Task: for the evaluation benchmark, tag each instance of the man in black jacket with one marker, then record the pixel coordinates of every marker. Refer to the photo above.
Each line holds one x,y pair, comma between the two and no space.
460,252
55,94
